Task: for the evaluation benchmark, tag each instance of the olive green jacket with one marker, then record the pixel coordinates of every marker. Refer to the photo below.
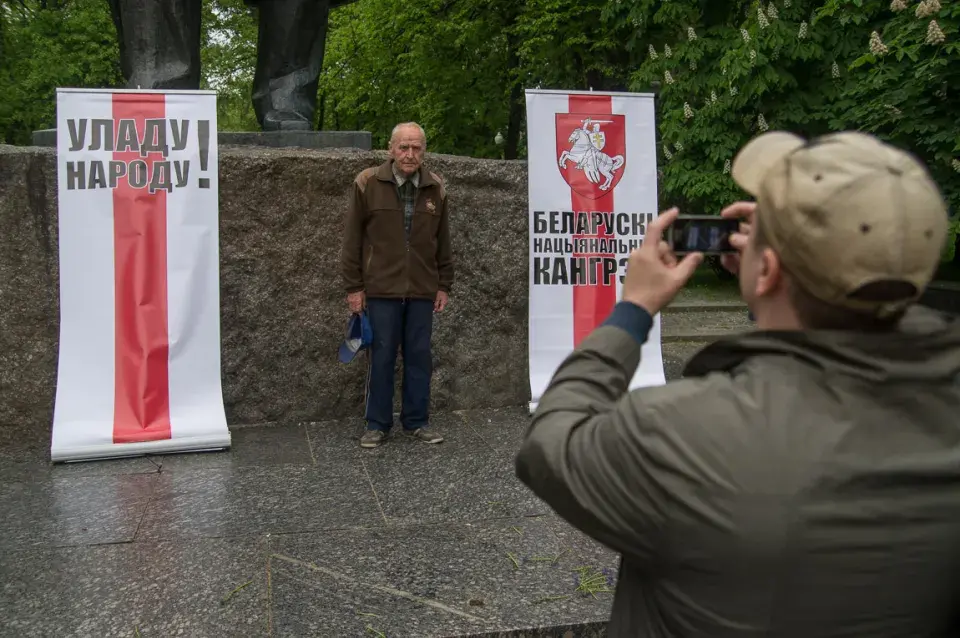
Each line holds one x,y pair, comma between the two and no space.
793,484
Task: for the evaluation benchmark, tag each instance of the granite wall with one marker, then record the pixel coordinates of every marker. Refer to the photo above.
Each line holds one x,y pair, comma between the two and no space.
282,310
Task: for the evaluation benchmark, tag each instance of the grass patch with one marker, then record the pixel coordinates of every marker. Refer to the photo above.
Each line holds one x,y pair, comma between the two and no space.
231,594
706,286
592,582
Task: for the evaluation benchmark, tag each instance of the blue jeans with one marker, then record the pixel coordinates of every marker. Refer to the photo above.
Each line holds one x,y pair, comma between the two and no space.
406,324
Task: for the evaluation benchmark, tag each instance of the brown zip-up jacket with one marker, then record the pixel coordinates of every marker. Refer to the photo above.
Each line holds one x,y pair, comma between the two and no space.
792,485
377,257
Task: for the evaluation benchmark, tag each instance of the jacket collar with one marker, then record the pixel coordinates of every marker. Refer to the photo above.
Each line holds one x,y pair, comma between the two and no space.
925,346
385,174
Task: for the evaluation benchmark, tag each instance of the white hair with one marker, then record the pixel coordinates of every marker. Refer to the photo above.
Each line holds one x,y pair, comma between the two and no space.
396,129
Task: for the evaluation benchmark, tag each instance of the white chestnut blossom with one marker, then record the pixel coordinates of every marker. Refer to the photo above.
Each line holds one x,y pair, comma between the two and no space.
762,17
687,110
745,35
835,70
667,77
802,34
762,123
691,34
877,47
928,8
956,165
653,53
898,6
935,34
667,53
727,165
667,153
772,12
679,147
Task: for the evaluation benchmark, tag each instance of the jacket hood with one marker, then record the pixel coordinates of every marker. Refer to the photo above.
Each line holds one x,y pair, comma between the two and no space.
925,346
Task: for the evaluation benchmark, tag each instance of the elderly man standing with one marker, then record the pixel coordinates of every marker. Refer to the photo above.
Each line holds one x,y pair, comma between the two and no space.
398,264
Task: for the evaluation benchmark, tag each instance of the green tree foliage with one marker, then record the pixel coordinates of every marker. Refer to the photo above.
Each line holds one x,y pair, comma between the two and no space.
808,67
47,44
459,67
449,64
228,56
905,84
724,71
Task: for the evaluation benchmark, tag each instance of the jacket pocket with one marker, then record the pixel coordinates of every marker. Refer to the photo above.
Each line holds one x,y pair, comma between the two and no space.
427,218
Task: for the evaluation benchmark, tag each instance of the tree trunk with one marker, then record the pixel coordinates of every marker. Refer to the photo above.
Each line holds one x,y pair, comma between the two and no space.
516,106
322,108
514,122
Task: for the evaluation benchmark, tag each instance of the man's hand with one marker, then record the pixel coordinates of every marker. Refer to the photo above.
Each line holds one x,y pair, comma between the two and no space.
743,211
355,301
654,277
441,301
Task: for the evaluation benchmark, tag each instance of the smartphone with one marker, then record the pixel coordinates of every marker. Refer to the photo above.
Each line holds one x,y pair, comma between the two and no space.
708,234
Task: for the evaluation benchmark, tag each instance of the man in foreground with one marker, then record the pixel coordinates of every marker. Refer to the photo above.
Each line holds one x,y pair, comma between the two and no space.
802,480
397,262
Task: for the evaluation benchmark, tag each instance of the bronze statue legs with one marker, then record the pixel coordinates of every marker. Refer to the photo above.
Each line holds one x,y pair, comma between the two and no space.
160,49
159,42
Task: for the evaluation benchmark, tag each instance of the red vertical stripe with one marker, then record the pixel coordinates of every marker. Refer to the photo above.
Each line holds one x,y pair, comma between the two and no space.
142,390
592,304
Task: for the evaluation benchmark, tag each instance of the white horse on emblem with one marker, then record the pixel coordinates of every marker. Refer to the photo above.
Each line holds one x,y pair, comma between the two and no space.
590,158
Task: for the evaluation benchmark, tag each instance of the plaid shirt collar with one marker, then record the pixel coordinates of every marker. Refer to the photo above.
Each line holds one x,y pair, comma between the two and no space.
401,178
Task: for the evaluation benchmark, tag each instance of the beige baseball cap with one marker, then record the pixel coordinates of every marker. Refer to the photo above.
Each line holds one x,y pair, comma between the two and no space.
859,223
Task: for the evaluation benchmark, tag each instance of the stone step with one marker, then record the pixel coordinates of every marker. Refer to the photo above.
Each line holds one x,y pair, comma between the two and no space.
705,306
703,322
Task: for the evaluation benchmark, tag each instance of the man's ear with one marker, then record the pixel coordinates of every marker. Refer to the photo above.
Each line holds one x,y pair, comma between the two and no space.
770,276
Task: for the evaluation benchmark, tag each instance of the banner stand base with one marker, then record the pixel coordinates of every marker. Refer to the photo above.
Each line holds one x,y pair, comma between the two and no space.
218,443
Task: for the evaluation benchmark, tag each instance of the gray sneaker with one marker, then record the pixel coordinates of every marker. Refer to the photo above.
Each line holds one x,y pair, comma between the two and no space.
373,438
425,435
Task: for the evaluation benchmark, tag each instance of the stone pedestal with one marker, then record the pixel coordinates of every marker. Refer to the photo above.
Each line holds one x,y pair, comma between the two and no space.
283,307
362,140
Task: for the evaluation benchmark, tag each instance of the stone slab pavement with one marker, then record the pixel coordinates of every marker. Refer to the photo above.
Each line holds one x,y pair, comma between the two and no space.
297,531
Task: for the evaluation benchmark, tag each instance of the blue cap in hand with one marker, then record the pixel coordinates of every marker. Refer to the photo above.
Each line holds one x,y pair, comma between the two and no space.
359,337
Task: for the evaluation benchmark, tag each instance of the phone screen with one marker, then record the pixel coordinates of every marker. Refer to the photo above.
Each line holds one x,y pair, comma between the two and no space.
702,234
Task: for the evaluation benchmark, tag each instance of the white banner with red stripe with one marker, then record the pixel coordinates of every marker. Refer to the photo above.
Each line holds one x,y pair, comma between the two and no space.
592,191
139,357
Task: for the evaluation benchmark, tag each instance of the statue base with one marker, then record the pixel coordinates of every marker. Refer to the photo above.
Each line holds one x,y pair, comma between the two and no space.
362,140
